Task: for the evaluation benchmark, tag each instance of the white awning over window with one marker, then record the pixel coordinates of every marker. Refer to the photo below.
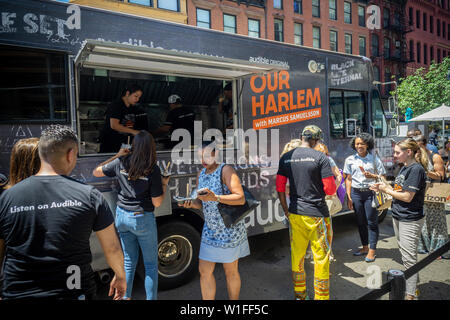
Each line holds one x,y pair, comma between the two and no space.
123,57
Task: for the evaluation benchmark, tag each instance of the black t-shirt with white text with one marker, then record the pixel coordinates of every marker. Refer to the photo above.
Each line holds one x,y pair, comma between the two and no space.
305,168
410,178
135,195
46,223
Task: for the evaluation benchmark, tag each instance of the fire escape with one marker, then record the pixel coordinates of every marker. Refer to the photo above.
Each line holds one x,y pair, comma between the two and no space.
393,49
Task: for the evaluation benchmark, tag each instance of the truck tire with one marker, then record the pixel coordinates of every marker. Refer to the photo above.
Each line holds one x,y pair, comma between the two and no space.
178,248
382,215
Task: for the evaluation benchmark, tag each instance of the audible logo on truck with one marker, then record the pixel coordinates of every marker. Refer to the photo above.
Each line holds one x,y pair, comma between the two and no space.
281,107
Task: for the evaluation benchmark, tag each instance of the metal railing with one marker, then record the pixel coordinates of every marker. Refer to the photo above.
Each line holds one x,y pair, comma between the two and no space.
396,284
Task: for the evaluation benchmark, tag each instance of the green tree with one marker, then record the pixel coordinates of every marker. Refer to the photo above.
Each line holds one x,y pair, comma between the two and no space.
425,89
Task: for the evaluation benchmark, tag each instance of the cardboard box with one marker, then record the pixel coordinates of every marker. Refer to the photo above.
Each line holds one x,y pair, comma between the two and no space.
437,192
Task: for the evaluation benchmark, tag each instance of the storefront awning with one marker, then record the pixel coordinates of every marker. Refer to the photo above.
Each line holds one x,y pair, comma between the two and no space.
123,57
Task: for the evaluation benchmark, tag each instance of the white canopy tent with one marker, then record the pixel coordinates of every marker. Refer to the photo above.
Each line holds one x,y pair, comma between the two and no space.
441,113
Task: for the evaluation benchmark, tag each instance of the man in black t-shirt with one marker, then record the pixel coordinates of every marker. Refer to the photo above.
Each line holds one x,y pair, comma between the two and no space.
310,179
45,224
123,119
179,117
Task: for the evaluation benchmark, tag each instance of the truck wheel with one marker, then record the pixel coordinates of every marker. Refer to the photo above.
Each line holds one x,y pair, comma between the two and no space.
382,215
178,248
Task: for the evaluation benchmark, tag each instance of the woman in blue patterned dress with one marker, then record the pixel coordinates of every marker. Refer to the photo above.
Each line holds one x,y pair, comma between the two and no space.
219,244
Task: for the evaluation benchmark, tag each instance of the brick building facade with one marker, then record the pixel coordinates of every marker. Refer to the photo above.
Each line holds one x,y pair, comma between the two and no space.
430,36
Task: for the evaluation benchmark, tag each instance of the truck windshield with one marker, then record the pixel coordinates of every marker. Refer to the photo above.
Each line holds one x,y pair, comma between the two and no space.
378,118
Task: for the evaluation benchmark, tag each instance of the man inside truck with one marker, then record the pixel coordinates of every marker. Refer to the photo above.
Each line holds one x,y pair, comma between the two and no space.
179,117
123,120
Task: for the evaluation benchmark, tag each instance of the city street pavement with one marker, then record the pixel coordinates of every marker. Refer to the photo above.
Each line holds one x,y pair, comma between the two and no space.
266,273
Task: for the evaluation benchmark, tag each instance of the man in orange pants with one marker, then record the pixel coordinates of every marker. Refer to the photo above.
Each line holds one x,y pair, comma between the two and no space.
310,180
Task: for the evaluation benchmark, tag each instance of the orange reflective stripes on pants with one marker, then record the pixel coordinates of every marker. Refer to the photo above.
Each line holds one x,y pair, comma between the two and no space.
305,229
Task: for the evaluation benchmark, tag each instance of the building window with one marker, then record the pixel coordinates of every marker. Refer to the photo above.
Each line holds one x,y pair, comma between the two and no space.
431,24
332,10
148,3
410,16
348,43
172,5
298,33
431,54
253,28
448,31
347,12
298,6
316,8
333,40
316,37
417,19
386,17
438,27
411,50
443,29
362,46
278,29
425,54
418,52
361,16
424,21
278,4
387,48
203,18
229,23
375,45
33,85
438,55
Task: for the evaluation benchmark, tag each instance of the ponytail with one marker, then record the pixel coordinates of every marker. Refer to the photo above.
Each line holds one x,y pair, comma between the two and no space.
422,158
420,153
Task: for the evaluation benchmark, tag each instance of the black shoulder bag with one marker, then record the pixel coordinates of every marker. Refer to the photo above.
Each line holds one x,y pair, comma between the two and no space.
233,214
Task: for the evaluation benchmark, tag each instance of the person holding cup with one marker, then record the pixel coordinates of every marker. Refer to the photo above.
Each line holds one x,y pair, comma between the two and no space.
408,196
359,172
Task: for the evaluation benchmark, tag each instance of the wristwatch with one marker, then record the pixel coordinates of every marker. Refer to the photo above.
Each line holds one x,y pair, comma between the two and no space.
217,198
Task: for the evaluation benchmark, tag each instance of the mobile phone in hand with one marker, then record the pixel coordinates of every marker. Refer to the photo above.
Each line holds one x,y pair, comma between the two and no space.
202,192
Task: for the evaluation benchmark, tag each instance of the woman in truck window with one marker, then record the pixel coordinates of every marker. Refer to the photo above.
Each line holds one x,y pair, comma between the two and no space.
359,172
24,161
141,190
123,119
219,244
407,206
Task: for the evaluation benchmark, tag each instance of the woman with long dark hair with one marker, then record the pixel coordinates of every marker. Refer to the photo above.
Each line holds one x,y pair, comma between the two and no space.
360,170
408,196
141,190
123,119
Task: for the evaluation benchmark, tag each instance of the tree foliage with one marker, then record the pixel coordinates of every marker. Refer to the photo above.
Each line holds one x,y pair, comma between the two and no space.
425,89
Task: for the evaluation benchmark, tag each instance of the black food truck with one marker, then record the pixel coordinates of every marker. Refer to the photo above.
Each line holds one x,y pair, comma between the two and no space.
64,63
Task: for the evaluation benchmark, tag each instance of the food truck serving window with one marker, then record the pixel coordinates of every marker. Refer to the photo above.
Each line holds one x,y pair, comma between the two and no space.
33,85
205,87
